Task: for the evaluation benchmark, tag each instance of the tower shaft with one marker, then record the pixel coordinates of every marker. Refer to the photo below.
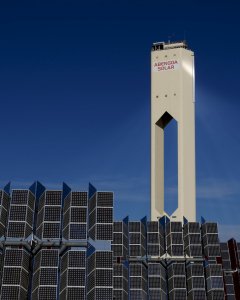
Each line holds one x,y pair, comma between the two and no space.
172,97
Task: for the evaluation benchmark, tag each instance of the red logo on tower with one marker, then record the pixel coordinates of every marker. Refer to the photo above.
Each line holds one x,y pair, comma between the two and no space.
165,65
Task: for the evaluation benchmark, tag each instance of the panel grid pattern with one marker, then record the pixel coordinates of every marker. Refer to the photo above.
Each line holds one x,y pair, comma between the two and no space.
229,285
15,277
174,238
195,281
155,239
49,215
214,282
225,256
120,281
157,286
75,214
45,275
138,281
100,275
137,239
210,240
192,239
4,210
119,243
73,275
101,216
177,281
21,214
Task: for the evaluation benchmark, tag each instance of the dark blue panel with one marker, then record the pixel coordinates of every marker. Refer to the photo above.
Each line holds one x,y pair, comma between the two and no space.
164,220
7,188
66,190
90,249
37,189
91,190
33,188
40,190
126,263
144,221
205,263
126,220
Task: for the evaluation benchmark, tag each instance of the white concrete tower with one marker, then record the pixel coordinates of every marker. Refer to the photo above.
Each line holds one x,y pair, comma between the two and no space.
172,97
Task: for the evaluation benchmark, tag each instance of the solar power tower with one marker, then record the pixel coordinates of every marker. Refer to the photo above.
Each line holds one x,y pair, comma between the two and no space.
172,97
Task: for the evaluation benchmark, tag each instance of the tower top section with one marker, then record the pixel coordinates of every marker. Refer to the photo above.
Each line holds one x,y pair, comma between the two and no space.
159,46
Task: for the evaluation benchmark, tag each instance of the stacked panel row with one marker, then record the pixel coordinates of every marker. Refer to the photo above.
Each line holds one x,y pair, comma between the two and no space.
210,240
15,274
174,238
119,243
177,281
100,275
101,216
225,256
45,275
4,208
73,275
75,216
196,281
120,281
214,282
138,283
21,214
157,285
137,239
192,239
229,286
155,239
49,216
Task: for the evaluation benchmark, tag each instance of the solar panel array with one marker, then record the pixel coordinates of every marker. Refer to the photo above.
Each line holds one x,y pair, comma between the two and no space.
64,244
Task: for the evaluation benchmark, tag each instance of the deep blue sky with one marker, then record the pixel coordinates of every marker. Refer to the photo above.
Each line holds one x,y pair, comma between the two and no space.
75,98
